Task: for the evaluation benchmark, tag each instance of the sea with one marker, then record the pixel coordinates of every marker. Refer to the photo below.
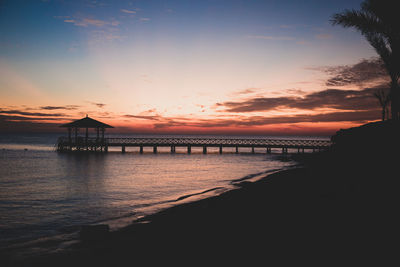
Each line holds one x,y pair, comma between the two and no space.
46,196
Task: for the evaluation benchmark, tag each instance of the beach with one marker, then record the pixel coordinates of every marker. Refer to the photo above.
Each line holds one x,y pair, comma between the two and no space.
334,208
317,213
210,133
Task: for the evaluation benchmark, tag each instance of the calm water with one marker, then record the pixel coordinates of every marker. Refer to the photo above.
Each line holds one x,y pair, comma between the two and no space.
44,193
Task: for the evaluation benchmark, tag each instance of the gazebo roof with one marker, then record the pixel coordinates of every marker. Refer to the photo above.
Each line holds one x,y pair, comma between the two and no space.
86,123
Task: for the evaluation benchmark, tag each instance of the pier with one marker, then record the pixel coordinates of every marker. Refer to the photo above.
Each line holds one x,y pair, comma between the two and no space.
103,144
74,142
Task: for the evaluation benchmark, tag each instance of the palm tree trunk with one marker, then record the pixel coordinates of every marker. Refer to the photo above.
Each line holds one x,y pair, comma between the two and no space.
387,113
395,99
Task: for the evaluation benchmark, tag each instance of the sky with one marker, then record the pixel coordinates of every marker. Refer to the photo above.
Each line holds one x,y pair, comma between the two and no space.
211,66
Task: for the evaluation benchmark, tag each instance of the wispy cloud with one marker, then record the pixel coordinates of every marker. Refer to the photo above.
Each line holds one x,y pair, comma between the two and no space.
150,114
144,19
26,113
24,118
128,11
367,71
295,91
144,117
86,22
99,105
250,121
99,29
98,36
149,111
67,107
146,78
246,91
330,98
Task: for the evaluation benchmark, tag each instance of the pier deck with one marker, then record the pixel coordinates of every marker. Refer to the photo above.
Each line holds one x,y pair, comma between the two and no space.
102,144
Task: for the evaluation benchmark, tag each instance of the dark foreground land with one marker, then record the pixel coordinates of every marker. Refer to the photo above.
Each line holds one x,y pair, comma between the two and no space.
337,209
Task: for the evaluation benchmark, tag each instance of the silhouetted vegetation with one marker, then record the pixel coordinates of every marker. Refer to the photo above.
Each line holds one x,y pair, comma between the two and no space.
384,101
378,22
372,138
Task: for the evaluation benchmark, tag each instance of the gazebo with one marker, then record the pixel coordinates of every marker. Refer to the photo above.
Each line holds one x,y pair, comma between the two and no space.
86,123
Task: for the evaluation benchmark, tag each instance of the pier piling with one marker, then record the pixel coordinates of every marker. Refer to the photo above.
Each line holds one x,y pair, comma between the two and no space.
96,144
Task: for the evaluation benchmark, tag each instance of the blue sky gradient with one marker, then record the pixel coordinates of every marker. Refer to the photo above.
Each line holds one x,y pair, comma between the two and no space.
171,57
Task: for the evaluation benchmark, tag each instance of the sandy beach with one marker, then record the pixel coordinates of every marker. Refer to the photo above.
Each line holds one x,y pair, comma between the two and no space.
319,212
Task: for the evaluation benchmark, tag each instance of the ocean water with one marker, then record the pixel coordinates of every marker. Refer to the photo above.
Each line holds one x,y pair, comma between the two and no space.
45,194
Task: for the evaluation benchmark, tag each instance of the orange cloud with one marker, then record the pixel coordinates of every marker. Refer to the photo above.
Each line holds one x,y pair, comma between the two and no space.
329,98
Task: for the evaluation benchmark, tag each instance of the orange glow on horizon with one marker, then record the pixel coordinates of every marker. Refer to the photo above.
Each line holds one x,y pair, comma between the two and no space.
305,128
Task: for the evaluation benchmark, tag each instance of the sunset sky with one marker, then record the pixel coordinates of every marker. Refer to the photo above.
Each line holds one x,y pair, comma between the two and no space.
240,67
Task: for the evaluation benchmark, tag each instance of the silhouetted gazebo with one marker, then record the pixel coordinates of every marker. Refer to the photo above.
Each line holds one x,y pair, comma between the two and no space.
86,123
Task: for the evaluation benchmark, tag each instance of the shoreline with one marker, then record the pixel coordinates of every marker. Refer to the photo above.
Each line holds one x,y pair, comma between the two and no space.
326,209
180,183
184,204
45,245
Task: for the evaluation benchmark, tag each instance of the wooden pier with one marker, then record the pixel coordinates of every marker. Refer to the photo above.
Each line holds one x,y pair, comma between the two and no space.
74,142
103,144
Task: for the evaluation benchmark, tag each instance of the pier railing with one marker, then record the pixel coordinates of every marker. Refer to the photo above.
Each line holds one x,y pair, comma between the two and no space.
216,142
65,143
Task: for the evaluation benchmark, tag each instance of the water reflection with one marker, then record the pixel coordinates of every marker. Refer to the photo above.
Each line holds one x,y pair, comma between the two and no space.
83,173
44,191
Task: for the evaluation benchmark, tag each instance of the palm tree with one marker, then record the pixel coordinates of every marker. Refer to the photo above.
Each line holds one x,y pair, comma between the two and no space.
383,101
378,22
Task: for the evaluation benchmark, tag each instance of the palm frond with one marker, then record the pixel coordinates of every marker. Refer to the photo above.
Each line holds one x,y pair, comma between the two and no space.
364,22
